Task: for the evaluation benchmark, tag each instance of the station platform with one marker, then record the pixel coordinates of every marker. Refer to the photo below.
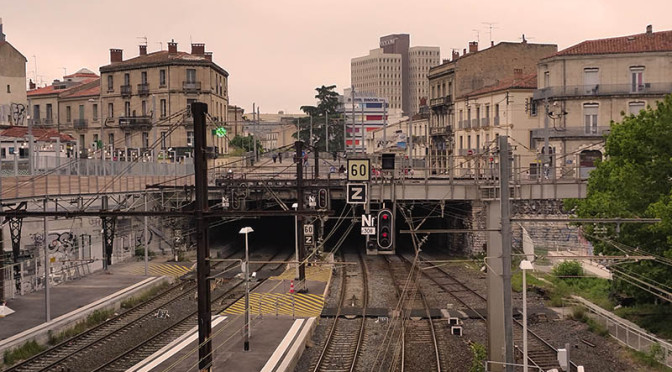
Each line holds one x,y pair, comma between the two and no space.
281,323
74,300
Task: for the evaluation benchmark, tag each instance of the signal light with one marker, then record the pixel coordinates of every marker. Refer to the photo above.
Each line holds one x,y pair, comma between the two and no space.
385,226
322,199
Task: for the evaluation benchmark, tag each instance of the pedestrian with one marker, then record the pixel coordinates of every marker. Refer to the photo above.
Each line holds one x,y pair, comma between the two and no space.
280,156
275,157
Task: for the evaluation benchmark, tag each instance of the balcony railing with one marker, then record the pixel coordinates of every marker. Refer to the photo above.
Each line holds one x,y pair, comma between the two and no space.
574,131
80,123
191,86
143,89
474,123
125,90
496,121
440,131
485,122
441,101
597,90
135,122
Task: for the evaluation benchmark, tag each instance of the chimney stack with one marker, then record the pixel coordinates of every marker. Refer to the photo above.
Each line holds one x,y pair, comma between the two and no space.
2,36
464,52
31,85
649,29
197,49
517,73
172,47
208,56
473,46
456,54
143,50
492,43
116,55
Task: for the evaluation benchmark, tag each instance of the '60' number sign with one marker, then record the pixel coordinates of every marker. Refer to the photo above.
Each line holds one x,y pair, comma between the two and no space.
359,170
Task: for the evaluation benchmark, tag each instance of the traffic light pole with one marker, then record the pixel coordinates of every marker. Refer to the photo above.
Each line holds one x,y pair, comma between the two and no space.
299,202
199,110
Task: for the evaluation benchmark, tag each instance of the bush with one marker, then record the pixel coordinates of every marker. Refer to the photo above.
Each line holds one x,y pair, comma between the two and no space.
480,356
91,321
568,270
25,351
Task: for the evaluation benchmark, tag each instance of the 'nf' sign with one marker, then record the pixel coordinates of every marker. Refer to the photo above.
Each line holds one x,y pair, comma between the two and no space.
356,193
368,227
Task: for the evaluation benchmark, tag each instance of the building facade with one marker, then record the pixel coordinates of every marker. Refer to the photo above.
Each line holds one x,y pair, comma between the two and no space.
13,102
587,86
146,100
464,74
363,114
395,71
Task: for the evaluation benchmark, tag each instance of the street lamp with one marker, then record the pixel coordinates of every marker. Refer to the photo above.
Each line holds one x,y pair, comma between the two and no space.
525,265
246,230
296,237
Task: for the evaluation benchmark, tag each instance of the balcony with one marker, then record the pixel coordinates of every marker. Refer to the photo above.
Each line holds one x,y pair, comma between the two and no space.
441,101
600,90
143,89
474,123
135,122
191,86
80,124
496,121
572,132
440,131
125,90
485,122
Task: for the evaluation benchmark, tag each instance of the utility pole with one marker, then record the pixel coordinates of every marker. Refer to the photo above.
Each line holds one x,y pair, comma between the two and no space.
47,305
199,110
354,146
326,123
363,136
385,123
299,202
254,140
498,261
545,160
146,237
310,140
256,153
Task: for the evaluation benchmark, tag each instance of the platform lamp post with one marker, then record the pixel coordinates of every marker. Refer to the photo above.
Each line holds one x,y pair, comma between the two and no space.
296,238
246,346
525,265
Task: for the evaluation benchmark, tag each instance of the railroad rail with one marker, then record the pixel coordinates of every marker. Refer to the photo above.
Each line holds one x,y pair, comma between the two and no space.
342,346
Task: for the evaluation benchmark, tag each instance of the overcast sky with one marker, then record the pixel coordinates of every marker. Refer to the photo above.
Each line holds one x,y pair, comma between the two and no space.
278,51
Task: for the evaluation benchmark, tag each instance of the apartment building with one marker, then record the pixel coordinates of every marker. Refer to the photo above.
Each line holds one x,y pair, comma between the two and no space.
408,138
146,100
465,74
363,114
395,71
12,84
585,87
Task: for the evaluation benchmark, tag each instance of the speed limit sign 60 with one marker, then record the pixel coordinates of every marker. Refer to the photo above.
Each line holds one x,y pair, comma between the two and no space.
359,170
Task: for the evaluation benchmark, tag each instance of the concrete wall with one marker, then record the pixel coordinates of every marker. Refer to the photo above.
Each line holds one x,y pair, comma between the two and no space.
12,84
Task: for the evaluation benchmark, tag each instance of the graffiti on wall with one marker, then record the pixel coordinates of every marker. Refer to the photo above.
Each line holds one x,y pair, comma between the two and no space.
14,113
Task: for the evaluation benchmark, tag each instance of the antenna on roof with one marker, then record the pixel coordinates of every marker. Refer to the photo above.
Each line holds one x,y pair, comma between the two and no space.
144,38
65,71
491,26
478,35
160,44
525,39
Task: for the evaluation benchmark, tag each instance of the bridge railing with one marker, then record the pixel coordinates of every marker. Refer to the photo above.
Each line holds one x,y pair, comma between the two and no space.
91,167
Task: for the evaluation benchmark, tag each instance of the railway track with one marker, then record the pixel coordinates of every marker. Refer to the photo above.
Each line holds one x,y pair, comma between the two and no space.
419,349
344,340
541,354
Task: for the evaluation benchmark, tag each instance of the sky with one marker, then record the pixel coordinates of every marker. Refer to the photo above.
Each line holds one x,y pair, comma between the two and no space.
277,52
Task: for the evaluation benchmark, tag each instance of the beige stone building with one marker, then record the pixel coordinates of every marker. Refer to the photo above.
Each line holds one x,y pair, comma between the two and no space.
378,74
420,59
407,137
13,102
146,100
586,86
464,74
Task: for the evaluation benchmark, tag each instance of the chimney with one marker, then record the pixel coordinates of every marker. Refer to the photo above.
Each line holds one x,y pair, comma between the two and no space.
649,29
198,49
2,36
143,50
172,47
456,54
116,55
473,46
31,85
208,56
492,43
517,73
464,51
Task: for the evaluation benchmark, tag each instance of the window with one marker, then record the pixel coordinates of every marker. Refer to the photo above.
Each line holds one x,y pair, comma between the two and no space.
110,139
127,108
590,117
636,79
50,112
127,139
82,142
144,108
110,83
68,114
478,141
163,140
95,112
163,108
81,112
127,79
635,107
110,110
547,79
190,138
9,89
591,80
162,78
36,112
143,77
145,139
469,142
191,75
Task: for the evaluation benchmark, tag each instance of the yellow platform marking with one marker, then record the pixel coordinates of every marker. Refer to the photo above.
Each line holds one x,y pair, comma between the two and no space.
319,273
159,269
303,304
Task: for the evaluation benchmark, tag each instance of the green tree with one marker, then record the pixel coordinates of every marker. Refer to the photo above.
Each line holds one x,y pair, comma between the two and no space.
635,180
324,115
245,143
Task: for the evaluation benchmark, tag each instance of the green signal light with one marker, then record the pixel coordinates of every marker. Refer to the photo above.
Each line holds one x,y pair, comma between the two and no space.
220,132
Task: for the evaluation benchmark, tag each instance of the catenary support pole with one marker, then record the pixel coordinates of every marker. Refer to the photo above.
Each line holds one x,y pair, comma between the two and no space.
47,305
299,200
199,110
146,242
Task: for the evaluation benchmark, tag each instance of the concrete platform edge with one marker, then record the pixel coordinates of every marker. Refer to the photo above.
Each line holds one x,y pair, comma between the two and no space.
296,349
40,333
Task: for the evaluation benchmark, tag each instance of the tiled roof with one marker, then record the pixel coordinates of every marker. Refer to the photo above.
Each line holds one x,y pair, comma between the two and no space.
522,82
84,72
646,42
160,57
90,87
44,135
51,89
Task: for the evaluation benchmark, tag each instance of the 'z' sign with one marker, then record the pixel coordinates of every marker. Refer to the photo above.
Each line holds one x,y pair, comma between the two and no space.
357,193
